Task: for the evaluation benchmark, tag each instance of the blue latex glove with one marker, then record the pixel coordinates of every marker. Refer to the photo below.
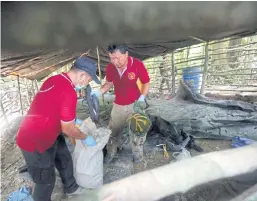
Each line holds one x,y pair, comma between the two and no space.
97,93
26,190
89,141
78,121
141,98
241,141
141,102
24,194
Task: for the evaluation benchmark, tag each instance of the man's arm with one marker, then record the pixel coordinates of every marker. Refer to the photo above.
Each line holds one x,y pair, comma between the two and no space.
107,86
70,129
68,103
145,88
144,78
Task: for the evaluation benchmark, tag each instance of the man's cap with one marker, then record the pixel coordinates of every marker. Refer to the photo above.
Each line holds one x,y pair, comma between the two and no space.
87,65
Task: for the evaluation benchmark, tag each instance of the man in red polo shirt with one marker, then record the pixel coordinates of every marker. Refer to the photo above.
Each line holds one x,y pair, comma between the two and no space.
123,73
52,112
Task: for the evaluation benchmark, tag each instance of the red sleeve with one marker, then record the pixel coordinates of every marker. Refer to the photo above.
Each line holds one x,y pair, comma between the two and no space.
68,104
142,73
108,73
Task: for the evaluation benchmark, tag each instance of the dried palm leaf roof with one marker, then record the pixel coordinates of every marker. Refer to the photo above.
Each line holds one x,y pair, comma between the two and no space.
40,37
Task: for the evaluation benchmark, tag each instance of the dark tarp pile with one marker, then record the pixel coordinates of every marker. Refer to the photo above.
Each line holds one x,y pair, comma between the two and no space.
203,117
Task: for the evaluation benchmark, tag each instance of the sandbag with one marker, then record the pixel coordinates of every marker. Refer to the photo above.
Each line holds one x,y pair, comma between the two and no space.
88,161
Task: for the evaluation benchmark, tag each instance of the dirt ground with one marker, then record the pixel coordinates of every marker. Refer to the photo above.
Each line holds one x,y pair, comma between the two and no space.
122,166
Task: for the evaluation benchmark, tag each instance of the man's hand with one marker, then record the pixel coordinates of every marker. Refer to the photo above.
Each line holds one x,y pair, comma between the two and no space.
71,130
141,98
78,121
141,102
89,141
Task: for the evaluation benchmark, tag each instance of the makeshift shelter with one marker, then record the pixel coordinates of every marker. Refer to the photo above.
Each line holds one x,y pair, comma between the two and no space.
66,30
62,31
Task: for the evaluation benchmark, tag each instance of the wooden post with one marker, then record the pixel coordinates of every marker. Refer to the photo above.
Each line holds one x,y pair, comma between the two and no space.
19,90
205,70
36,83
99,69
28,96
188,51
5,117
173,74
32,89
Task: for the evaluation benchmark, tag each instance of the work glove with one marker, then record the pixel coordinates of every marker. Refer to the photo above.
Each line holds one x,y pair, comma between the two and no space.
141,102
78,122
89,141
241,141
97,93
23,193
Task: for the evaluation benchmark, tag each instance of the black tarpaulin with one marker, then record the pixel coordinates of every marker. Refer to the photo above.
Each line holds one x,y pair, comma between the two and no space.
149,29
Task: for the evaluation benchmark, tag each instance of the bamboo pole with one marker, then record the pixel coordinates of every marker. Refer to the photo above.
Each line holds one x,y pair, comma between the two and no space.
196,38
36,85
27,88
173,75
205,70
32,89
237,47
239,69
99,69
157,63
231,74
19,91
4,114
232,85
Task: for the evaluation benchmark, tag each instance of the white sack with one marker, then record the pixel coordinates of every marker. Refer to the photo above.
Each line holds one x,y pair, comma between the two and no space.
88,161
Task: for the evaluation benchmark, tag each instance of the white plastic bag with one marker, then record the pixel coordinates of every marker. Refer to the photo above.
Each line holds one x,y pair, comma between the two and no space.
88,161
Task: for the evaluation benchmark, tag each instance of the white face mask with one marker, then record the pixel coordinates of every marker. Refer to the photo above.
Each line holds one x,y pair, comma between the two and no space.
83,86
79,87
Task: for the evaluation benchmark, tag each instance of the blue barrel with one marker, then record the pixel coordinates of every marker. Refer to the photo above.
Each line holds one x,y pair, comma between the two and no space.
193,78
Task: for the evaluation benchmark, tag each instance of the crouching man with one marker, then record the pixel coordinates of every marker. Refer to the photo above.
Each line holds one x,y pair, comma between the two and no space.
51,113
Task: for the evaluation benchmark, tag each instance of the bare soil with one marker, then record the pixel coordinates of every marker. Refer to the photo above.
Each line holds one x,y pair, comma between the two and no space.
122,166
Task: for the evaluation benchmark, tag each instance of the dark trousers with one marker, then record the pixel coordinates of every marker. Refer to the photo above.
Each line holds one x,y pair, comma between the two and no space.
42,169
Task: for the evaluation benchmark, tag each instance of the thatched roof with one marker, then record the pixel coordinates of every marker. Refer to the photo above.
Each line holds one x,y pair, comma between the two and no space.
40,37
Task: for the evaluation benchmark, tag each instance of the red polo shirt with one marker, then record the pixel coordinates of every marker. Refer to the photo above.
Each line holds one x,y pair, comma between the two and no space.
125,86
55,102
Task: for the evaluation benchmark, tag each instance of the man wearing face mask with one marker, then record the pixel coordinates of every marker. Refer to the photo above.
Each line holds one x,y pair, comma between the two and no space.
52,112
124,72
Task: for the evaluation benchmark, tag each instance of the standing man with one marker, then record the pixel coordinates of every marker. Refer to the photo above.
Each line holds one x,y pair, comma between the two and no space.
52,112
124,72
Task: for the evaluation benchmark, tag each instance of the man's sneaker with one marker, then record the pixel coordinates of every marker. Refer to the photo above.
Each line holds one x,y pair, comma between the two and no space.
79,191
